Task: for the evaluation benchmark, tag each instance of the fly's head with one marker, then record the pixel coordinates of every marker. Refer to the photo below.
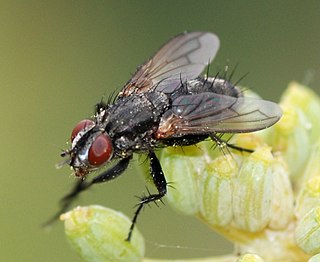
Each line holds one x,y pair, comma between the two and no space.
91,147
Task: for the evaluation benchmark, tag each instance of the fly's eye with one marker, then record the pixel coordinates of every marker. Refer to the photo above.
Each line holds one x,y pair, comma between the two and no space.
81,126
100,150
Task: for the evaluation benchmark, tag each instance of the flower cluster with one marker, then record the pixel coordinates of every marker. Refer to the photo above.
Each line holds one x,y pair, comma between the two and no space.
266,202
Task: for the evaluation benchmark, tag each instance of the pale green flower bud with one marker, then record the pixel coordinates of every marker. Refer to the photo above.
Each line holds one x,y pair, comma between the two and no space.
202,184
180,165
309,196
183,167
98,234
216,189
283,197
315,258
262,193
308,232
291,136
309,184
308,102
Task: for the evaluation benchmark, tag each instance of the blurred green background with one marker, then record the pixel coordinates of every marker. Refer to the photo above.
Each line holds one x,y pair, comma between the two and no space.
58,58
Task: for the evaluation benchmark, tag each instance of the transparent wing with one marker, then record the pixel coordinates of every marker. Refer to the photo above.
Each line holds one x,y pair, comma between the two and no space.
184,57
209,112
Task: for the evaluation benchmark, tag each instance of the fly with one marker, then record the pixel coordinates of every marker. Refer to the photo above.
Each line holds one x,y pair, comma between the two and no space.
165,103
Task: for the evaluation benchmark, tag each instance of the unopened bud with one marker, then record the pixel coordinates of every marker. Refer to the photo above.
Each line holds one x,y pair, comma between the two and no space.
291,137
315,258
99,234
308,232
262,193
215,185
308,102
309,184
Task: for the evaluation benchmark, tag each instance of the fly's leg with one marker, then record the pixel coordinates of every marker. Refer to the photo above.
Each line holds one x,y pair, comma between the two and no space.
220,142
113,172
160,183
82,185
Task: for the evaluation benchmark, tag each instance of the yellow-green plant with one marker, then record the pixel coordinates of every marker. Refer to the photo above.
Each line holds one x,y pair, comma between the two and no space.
266,202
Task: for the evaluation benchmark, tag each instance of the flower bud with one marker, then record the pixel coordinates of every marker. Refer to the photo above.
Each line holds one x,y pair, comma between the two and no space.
283,197
182,166
309,197
309,184
99,234
262,193
315,258
215,185
202,183
308,232
308,102
291,136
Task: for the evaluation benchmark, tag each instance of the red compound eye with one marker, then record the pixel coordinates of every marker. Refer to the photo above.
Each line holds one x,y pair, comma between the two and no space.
80,126
100,150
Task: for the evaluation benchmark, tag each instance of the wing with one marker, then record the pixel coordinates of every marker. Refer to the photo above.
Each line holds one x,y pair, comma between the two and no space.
184,57
206,113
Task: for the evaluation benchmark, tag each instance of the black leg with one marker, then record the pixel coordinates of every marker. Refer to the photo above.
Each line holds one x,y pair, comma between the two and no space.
160,183
221,142
113,172
83,185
